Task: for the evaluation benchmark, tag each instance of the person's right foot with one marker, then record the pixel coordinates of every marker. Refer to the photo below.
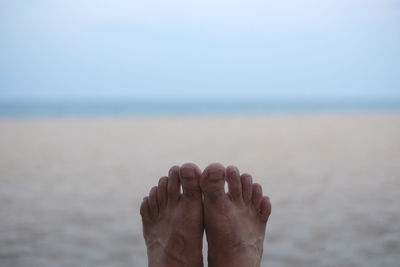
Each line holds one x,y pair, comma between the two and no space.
235,222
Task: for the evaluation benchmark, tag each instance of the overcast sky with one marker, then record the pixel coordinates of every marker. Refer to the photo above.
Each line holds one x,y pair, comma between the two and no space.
200,49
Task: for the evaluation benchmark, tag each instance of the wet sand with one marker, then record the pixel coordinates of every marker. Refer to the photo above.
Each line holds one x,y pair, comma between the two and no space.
70,189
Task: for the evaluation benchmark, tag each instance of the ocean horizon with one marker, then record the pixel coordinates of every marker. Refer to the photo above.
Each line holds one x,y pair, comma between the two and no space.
118,108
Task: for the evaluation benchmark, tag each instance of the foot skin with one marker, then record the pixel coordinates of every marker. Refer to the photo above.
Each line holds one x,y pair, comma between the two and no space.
173,221
235,222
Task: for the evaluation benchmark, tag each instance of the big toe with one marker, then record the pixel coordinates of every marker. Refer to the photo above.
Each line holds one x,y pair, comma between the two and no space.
190,179
212,181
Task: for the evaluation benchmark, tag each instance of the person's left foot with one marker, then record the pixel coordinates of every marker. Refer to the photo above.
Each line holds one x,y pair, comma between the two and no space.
173,221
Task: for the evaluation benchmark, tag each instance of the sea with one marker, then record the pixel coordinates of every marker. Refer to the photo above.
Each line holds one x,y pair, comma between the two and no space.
124,107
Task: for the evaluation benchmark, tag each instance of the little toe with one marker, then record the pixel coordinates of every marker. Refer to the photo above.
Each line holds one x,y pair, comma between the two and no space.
173,186
190,180
265,209
212,181
144,209
153,202
162,192
256,197
234,184
247,187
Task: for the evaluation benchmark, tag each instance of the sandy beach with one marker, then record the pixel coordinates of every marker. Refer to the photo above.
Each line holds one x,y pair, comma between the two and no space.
70,189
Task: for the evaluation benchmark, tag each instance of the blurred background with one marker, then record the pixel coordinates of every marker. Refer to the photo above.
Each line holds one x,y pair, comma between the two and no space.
99,98
103,51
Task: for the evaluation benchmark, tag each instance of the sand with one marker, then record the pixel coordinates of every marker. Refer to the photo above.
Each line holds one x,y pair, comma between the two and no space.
70,188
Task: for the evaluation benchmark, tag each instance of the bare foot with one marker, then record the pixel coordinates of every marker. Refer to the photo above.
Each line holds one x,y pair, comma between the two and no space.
173,222
235,222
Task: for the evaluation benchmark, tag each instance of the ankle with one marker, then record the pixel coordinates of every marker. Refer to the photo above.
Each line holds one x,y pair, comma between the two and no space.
240,255
166,257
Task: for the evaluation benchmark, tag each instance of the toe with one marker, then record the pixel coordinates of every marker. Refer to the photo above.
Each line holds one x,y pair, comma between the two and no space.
153,202
162,192
212,181
173,184
265,209
234,184
144,209
256,196
246,187
190,180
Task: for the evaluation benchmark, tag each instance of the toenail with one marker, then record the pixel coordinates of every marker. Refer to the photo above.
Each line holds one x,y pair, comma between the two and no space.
172,171
233,171
187,172
216,173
